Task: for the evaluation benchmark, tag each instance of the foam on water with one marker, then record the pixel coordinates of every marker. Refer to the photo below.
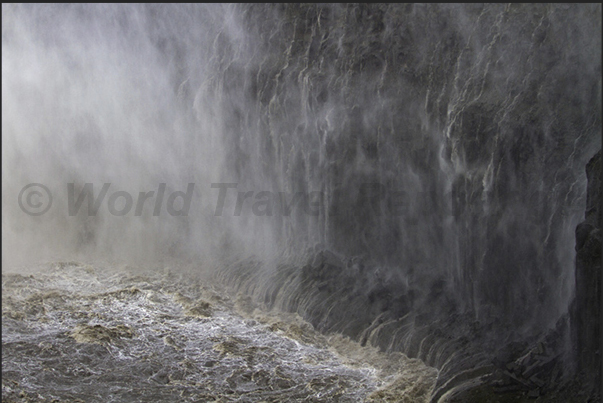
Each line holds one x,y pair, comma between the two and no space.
104,334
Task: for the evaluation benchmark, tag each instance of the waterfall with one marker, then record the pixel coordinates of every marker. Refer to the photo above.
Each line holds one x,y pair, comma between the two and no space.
384,170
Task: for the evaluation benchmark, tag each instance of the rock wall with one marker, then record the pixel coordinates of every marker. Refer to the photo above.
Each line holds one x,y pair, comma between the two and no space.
586,308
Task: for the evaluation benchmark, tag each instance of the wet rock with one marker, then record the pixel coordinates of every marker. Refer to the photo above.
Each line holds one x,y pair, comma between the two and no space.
586,308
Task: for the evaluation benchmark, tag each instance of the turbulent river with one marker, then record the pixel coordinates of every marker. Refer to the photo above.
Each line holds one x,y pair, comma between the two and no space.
76,332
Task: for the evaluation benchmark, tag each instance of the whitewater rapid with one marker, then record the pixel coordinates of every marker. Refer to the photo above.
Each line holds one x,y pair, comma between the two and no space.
76,332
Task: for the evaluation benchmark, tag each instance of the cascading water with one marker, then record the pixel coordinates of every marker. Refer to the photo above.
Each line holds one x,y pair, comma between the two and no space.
409,176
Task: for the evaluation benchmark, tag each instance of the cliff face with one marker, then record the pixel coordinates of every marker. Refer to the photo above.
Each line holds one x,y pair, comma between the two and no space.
586,312
448,142
476,121
465,117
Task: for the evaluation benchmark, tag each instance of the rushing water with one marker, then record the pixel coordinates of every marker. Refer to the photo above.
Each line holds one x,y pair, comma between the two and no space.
437,150
101,333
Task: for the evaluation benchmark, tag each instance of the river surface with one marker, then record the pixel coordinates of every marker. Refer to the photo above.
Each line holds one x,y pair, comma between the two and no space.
74,332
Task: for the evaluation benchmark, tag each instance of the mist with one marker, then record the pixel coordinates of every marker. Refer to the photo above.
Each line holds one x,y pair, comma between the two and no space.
103,94
436,149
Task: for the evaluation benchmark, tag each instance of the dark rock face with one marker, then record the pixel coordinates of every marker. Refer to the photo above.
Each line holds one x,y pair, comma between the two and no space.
586,309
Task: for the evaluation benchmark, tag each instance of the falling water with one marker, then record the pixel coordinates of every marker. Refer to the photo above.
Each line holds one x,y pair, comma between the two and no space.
408,176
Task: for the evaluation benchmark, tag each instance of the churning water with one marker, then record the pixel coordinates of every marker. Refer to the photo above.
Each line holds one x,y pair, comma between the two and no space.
76,332
407,176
